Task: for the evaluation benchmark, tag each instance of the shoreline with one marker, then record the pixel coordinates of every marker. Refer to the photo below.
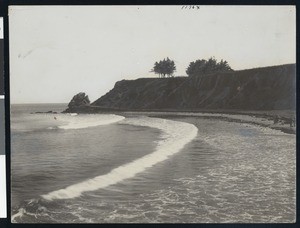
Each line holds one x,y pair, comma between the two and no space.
261,118
283,120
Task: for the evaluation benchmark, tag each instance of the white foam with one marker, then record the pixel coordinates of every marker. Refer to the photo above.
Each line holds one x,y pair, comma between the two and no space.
265,121
176,136
88,120
20,214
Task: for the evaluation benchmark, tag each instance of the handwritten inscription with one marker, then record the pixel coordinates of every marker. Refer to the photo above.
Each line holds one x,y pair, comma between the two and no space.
191,7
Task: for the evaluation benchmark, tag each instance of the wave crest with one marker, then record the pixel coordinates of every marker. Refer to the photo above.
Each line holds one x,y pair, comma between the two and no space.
86,120
175,136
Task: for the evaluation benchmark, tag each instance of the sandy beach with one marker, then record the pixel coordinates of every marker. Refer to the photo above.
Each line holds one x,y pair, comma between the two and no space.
279,120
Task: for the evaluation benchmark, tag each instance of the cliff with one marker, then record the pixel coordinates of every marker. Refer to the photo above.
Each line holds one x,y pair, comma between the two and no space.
268,88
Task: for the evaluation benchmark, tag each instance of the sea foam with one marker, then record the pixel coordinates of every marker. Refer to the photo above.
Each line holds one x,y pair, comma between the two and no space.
175,136
75,121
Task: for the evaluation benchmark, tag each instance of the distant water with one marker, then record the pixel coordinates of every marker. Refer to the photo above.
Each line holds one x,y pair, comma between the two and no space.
111,169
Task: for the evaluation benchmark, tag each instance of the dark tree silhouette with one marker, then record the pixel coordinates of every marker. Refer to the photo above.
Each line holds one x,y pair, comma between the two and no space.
164,67
202,66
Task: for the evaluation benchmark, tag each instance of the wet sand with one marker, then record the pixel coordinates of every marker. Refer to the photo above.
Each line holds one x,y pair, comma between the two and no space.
280,120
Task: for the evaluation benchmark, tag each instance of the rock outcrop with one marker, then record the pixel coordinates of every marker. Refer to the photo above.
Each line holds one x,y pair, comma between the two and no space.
268,88
79,102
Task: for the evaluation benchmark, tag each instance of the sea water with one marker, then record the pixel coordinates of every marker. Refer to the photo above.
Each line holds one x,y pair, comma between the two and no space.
106,168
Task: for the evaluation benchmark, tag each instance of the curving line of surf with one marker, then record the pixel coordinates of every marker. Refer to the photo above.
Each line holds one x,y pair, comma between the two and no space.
175,136
84,121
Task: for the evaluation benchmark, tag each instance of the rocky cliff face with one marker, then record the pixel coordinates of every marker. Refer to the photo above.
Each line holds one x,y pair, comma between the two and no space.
268,88
78,102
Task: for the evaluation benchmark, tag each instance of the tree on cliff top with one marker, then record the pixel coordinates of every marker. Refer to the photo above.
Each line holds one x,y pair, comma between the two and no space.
164,67
202,66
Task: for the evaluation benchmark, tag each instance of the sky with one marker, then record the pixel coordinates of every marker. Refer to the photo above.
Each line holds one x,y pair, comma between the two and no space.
59,51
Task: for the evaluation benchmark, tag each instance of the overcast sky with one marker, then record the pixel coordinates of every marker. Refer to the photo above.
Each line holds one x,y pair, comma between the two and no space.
58,51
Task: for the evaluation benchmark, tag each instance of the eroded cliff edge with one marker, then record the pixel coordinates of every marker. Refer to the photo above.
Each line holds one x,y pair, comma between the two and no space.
268,88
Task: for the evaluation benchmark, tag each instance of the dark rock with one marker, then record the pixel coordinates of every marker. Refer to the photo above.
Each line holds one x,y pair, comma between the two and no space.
79,101
48,112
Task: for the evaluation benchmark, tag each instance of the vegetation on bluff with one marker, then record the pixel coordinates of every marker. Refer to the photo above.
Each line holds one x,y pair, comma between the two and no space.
199,67
202,66
164,67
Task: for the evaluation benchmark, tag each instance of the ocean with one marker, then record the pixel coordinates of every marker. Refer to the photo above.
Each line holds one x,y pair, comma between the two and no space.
107,168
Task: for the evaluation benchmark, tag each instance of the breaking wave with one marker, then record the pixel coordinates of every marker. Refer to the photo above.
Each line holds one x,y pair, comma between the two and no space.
84,121
174,137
